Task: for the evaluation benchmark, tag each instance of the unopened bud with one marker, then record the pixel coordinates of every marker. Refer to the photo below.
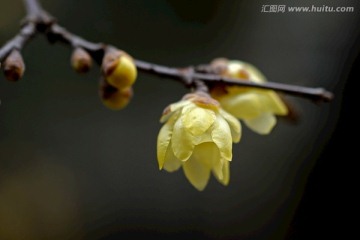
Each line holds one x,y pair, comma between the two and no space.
81,60
119,69
13,66
113,98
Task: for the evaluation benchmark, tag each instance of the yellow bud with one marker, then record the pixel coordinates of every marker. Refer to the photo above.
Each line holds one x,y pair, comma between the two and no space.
118,99
81,60
14,66
113,98
119,69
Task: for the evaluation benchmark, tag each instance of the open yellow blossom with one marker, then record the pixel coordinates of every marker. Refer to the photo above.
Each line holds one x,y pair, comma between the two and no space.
198,136
256,107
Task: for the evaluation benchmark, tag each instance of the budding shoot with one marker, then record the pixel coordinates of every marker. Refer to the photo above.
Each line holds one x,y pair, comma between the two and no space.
81,60
13,66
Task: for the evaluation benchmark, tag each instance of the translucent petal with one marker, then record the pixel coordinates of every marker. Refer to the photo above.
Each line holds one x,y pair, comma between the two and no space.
255,74
176,106
182,141
196,171
207,153
234,125
273,103
171,109
171,162
221,136
217,167
225,173
205,137
233,67
197,120
163,141
243,106
188,107
262,124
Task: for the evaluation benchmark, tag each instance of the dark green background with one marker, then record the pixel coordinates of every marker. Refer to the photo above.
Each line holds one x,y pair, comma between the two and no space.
72,169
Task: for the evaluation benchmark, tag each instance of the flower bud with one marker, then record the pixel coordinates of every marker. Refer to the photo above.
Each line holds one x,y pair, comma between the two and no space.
13,66
119,69
81,60
113,98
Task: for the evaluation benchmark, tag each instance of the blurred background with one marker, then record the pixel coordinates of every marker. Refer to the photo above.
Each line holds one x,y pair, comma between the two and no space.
72,169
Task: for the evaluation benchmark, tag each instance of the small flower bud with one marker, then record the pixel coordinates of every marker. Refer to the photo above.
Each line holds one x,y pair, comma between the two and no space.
13,66
119,69
81,60
113,98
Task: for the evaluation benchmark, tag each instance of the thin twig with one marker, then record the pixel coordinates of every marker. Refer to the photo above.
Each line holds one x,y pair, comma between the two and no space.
315,94
39,21
19,41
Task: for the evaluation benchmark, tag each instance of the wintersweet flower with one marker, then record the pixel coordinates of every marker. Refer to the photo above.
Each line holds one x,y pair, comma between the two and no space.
198,136
256,107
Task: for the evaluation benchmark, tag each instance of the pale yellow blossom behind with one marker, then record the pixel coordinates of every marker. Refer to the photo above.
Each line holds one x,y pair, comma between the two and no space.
257,108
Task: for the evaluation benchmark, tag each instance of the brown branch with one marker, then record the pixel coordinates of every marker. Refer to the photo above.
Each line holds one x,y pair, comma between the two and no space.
315,94
39,21
19,41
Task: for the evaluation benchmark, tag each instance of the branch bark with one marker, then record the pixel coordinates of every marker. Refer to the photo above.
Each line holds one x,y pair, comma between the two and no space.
39,21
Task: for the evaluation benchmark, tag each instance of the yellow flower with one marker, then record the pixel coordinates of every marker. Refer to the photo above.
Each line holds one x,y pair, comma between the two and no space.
256,107
198,136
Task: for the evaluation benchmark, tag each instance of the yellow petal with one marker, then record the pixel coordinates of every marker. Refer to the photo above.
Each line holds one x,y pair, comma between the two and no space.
196,172
221,136
255,74
217,167
273,103
171,109
197,120
182,141
171,162
262,124
163,141
176,106
233,68
207,153
203,138
234,125
225,173
244,106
